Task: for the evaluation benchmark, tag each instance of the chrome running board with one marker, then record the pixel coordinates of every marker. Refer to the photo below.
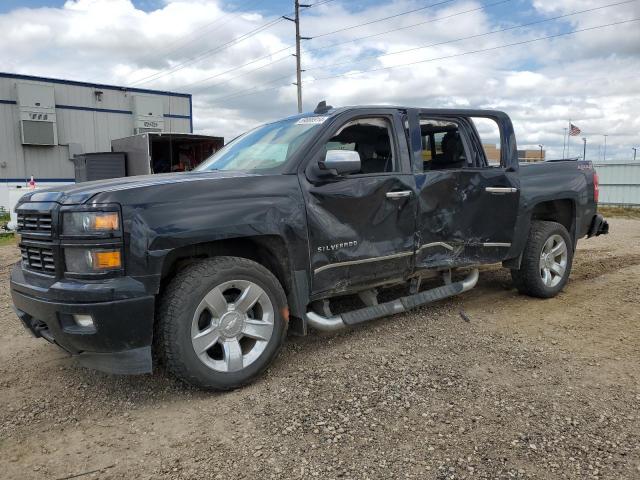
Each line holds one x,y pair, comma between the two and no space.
402,304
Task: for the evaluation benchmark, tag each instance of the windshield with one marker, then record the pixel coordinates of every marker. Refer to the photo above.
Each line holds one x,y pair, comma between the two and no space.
265,148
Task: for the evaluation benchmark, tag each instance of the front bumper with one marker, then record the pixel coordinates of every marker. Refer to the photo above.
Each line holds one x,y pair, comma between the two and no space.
120,340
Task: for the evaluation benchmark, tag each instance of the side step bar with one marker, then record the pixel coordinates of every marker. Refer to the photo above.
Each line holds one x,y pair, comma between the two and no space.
399,305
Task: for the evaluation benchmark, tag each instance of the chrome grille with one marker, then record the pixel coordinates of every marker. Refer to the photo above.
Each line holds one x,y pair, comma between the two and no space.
34,222
38,258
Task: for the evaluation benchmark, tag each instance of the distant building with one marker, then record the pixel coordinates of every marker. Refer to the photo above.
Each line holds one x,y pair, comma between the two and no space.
44,122
531,155
493,154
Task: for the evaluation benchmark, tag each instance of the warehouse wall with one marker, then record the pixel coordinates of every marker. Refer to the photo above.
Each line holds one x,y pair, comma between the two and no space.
83,117
619,183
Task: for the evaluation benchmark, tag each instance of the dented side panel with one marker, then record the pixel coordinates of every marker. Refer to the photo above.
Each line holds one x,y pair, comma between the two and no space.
460,222
357,234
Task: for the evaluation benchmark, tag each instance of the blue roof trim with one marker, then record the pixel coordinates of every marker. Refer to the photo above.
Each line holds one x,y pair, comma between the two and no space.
111,110
18,76
91,109
38,180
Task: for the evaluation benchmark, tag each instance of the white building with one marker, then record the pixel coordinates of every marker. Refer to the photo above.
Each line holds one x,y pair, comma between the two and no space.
45,121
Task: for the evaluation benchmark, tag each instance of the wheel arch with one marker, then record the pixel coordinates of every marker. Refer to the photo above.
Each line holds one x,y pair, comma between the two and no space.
562,211
268,250
559,210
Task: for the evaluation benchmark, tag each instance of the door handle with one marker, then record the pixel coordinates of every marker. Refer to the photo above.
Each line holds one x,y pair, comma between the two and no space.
500,190
399,194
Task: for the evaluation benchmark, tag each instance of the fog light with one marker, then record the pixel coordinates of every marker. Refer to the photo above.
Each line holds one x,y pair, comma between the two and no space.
83,320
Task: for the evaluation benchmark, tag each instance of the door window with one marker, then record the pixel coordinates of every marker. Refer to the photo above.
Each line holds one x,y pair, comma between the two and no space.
489,134
442,145
372,139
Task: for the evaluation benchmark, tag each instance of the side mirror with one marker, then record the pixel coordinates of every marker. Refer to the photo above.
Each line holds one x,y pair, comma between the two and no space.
339,162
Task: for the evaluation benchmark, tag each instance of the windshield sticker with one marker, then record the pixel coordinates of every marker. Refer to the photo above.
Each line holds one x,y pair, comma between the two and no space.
311,120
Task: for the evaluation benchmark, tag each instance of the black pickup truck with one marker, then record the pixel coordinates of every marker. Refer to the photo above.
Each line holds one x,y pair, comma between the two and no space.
205,271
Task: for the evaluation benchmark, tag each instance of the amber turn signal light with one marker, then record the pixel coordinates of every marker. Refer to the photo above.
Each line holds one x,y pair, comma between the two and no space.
106,221
106,259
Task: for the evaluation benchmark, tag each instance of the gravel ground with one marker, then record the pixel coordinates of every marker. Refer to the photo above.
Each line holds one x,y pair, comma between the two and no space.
526,388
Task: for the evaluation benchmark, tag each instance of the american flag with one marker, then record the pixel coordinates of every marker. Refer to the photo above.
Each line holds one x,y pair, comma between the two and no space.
573,130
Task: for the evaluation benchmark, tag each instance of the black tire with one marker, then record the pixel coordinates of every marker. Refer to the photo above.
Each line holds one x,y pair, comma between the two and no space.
177,308
529,278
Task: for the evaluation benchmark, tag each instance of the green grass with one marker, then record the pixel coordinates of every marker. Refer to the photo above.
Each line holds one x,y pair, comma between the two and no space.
620,212
4,215
7,239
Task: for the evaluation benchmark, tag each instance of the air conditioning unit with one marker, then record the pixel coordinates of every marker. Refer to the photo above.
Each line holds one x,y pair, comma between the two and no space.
37,114
139,130
148,114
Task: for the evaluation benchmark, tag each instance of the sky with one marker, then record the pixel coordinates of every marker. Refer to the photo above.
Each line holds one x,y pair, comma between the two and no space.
235,57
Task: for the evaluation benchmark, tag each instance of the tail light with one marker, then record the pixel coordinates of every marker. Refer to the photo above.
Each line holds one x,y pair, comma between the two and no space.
596,187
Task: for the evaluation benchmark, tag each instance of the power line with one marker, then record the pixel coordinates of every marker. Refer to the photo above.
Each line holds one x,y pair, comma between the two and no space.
523,42
317,4
383,18
239,67
479,35
203,31
334,44
432,20
252,90
207,53
269,55
472,52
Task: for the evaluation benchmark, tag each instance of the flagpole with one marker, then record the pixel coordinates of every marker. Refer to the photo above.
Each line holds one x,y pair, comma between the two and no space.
564,142
568,138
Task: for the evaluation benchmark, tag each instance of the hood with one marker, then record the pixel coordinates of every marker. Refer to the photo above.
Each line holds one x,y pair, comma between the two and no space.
82,192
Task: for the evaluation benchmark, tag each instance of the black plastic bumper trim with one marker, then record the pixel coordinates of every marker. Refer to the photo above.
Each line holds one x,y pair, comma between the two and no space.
599,226
136,361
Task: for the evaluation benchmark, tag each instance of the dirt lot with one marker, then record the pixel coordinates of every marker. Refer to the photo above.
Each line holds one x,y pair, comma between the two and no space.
526,389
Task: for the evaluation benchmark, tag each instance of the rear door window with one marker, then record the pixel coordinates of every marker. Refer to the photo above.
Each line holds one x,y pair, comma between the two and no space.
443,146
489,134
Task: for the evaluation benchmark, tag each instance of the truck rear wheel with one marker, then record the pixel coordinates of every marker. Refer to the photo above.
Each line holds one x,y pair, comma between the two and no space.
221,322
546,261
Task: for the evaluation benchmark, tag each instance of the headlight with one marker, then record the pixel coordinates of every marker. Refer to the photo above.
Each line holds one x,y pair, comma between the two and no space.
87,223
92,260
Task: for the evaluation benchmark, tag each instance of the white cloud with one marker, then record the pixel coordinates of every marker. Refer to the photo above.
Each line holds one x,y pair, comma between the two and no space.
590,77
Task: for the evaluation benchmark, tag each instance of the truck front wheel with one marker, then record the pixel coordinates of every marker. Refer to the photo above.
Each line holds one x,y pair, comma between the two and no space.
546,261
221,322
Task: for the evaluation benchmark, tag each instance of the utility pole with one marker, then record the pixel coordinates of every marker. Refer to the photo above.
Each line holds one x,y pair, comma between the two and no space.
541,146
296,20
584,151
634,153
604,156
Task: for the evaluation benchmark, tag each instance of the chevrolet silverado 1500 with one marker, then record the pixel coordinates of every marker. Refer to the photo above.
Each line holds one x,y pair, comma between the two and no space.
206,271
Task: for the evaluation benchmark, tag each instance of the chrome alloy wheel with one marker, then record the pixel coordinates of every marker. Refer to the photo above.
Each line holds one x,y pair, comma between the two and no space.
232,326
553,260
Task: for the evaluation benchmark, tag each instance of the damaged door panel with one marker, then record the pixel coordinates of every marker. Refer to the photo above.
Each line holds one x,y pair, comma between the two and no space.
361,224
466,209
360,234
